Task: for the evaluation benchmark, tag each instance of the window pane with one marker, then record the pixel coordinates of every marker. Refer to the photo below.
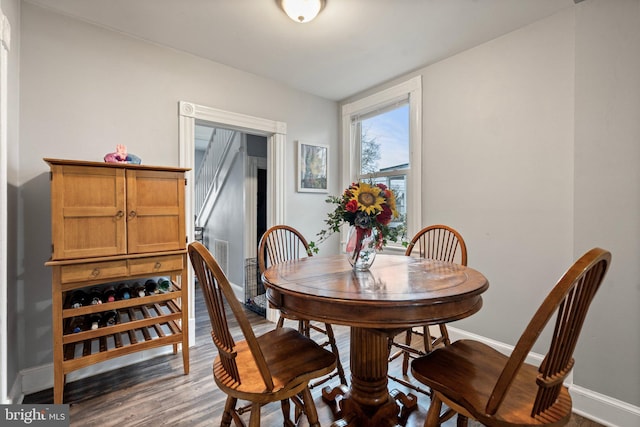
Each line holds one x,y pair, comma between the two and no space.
384,141
397,183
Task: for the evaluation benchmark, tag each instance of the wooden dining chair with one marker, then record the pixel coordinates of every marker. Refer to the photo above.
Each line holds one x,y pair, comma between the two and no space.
442,243
479,382
276,366
282,243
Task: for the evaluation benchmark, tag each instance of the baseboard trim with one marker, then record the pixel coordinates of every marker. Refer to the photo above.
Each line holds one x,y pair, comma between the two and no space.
33,380
604,409
15,394
586,403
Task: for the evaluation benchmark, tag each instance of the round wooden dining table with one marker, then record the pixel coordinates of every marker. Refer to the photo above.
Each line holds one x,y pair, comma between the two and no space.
396,293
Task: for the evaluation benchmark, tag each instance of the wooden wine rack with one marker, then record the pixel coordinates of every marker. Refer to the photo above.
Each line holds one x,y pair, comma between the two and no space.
156,323
113,223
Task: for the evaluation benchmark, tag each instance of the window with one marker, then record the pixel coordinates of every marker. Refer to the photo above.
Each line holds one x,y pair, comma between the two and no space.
381,140
382,144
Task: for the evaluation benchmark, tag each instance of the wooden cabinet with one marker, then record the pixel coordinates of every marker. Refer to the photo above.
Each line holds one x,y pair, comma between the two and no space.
111,224
104,209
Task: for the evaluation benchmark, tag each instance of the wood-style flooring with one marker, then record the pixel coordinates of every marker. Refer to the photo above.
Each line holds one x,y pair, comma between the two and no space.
157,393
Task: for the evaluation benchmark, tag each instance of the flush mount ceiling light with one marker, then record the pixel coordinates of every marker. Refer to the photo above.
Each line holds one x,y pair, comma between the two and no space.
301,11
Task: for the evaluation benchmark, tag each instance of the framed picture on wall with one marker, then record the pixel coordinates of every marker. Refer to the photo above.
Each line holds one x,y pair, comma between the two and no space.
313,168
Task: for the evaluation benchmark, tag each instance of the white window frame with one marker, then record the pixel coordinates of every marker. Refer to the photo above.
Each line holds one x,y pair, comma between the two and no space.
351,161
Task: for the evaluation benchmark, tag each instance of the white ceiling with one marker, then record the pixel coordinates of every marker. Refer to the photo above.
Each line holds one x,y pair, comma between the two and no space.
351,46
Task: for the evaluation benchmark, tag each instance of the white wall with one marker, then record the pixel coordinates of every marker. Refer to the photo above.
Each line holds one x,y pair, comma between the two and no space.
11,9
607,190
531,146
85,89
227,219
498,164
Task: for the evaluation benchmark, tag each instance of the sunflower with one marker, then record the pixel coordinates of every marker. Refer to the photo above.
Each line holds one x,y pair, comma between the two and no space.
368,198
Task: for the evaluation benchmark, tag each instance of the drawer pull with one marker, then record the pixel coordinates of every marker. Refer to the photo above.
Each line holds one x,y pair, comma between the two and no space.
157,265
95,272
119,215
132,214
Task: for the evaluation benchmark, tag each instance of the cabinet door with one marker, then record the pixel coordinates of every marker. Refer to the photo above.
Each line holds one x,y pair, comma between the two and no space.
88,211
155,211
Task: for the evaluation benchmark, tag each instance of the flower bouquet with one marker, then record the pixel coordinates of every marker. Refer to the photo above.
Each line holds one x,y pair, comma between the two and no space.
368,209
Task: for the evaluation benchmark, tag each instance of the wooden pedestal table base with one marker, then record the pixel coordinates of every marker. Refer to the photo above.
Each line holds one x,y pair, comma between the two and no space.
368,403
397,293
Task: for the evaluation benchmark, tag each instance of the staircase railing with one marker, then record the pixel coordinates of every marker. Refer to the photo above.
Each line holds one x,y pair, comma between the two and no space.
209,175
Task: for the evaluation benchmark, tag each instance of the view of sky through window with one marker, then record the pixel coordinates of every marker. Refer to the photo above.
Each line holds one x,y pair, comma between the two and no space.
391,132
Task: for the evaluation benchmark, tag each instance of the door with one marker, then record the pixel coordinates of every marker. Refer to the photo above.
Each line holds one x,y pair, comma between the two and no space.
155,200
87,198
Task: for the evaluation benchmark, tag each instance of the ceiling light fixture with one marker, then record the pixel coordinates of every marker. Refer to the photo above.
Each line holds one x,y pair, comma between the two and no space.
302,11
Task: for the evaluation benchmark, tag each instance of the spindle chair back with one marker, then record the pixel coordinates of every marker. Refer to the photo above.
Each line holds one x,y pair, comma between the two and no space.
477,381
441,243
276,366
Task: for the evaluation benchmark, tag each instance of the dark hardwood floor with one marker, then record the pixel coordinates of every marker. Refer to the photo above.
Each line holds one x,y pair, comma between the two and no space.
157,393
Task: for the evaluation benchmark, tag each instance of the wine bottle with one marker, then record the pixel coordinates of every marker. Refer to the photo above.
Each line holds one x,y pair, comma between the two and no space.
109,318
78,299
95,296
109,293
151,286
94,321
124,291
138,290
164,285
77,325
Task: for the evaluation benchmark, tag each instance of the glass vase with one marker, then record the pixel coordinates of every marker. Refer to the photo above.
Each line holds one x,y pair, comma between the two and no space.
361,247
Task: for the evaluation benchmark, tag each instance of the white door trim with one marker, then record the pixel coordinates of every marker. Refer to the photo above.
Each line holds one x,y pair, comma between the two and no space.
276,133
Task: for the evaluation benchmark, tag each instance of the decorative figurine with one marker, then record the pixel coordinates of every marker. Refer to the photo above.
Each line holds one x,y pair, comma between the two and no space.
121,156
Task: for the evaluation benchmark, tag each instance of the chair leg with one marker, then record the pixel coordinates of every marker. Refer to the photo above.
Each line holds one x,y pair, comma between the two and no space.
334,350
229,407
433,415
254,420
286,411
462,421
310,408
305,328
405,355
428,340
445,334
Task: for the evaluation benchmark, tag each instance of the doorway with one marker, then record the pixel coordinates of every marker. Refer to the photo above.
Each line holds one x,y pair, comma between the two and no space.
275,134
256,200
225,205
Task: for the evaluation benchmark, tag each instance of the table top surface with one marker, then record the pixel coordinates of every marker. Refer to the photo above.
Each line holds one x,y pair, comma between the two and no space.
403,290
392,278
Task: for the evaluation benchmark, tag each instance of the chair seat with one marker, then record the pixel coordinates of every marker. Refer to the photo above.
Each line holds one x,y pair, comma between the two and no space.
293,360
466,372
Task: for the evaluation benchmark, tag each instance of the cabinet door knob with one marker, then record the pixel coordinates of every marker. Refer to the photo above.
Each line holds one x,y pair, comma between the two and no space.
120,214
132,214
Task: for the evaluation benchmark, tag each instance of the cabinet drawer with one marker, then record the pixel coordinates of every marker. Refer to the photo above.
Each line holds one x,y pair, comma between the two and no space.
93,271
155,265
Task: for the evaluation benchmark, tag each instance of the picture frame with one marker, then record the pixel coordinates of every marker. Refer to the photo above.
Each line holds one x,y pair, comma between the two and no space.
313,168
